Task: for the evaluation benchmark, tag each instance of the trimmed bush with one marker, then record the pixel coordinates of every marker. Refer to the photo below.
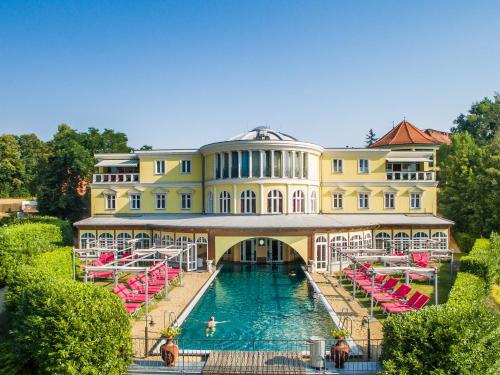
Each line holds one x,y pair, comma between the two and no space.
59,262
64,225
60,326
446,339
483,260
468,289
464,240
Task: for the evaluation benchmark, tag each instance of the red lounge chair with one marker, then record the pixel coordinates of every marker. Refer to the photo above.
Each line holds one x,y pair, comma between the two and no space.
141,288
416,276
421,302
103,274
127,298
399,294
385,288
378,281
151,281
138,297
132,307
359,270
408,303
422,260
160,276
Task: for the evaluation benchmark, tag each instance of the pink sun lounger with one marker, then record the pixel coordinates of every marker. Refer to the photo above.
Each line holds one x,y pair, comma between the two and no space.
408,303
384,288
134,294
141,288
419,303
399,294
378,281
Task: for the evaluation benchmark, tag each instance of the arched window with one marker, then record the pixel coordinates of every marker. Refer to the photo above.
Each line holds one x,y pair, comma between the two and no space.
298,202
210,202
224,202
183,241
106,240
356,242
420,240
314,203
145,241
167,241
321,253
275,202
401,241
87,240
368,240
121,240
442,238
248,202
339,243
382,240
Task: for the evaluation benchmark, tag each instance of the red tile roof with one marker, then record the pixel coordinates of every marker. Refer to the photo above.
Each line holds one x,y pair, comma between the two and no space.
404,133
439,136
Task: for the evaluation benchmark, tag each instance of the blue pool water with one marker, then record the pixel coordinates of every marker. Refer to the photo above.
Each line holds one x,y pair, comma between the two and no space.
261,302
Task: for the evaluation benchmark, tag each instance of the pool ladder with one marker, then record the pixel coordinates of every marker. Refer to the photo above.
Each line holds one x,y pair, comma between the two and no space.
346,321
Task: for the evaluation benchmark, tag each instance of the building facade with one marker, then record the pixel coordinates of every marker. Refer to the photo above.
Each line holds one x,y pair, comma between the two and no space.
265,196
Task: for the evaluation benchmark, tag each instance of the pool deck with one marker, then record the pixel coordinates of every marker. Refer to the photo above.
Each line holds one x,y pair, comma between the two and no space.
340,300
178,299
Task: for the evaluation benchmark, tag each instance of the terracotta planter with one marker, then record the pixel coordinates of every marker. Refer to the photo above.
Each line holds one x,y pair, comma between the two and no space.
169,352
339,352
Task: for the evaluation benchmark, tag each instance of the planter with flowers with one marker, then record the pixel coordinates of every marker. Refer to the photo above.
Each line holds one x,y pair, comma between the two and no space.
339,352
170,351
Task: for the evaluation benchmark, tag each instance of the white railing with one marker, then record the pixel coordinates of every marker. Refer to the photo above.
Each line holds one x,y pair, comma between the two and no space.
410,176
100,178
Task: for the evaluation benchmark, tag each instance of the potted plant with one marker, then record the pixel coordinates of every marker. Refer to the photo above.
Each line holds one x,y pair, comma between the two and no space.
169,351
339,352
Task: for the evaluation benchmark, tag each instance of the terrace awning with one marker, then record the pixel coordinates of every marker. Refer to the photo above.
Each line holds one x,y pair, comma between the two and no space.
118,163
408,160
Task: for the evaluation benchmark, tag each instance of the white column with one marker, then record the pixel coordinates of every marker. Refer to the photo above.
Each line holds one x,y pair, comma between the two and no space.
230,164
283,163
239,164
292,164
235,200
262,210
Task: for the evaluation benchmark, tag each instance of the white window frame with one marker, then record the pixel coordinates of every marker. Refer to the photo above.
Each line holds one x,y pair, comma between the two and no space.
110,201
386,206
186,166
248,201
160,167
224,202
275,202
298,202
135,201
337,166
415,198
366,196
360,169
336,199
314,203
157,200
186,201
210,202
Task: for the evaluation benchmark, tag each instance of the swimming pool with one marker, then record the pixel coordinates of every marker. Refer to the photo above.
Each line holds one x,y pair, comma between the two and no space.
261,302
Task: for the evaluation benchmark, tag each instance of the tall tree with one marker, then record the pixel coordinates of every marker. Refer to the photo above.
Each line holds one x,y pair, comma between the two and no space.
482,121
12,168
34,153
107,141
470,181
370,137
63,191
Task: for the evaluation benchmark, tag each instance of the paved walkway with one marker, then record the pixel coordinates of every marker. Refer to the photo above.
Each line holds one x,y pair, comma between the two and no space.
340,300
177,300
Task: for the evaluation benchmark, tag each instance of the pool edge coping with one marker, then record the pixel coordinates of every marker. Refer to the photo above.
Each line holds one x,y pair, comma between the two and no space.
190,306
331,311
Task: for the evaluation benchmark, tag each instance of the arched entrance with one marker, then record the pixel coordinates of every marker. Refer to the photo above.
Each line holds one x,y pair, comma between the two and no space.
265,249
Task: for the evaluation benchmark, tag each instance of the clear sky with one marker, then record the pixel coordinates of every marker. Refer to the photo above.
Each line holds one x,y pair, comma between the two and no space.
185,73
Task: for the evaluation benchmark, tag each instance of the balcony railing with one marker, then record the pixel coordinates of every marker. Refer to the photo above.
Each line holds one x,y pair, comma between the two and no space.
100,178
410,176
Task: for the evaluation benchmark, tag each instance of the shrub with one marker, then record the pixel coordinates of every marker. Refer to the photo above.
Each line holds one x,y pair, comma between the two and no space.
64,225
61,326
468,289
464,240
446,339
483,260
20,242
58,262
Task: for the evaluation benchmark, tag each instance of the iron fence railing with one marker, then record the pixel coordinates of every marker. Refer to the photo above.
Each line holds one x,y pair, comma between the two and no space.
194,354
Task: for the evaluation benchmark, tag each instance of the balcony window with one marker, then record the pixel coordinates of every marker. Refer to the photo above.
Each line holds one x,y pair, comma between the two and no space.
338,201
186,201
135,201
245,164
277,164
160,201
234,164
110,201
389,202
185,166
256,164
159,166
363,166
415,201
363,200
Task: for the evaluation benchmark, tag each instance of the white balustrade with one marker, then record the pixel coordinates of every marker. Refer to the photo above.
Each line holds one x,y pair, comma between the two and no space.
100,178
410,176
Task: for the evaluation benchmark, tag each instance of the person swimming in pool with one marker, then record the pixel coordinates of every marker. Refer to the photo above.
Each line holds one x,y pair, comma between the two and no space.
211,325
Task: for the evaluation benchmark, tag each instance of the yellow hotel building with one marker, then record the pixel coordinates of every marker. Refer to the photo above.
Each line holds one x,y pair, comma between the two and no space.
264,196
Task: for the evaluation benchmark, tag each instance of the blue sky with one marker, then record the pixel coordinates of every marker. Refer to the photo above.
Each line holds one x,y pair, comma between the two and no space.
185,73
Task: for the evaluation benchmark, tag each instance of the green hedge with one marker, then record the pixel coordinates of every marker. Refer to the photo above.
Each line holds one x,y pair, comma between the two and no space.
483,260
464,240
468,289
61,326
59,262
64,225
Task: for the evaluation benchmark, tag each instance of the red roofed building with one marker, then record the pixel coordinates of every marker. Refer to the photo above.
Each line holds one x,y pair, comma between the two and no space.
439,136
407,134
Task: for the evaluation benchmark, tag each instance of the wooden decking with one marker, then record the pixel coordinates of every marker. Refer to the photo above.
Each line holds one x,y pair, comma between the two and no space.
250,362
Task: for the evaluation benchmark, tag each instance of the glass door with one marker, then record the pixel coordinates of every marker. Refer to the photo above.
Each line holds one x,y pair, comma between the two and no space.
192,255
247,251
274,251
